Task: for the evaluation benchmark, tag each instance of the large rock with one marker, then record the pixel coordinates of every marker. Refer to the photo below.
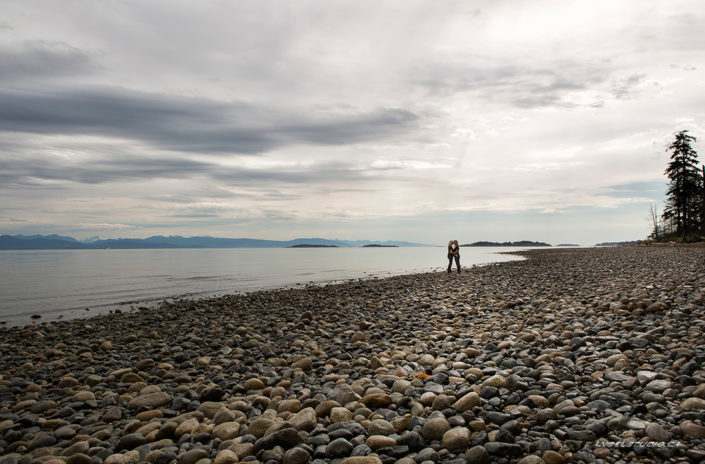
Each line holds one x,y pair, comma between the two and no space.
338,448
400,385
503,449
296,456
531,459
456,438
693,403
566,408
286,438
467,402
306,419
325,408
226,456
292,406
658,385
497,381
692,429
82,396
187,426
192,456
376,400
253,384
226,430
305,364
538,401
340,414
362,460
223,415
376,442
258,426
656,432
435,428
155,400
552,457
380,427
42,440
131,457
210,408
477,455
130,441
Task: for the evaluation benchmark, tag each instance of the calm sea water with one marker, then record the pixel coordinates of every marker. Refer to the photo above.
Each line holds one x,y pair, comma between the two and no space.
65,284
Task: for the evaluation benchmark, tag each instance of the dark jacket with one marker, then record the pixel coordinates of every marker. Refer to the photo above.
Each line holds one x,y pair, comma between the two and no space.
452,252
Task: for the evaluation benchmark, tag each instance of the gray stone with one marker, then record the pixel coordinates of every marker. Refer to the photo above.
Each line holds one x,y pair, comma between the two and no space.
42,440
503,449
658,385
657,433
531,459
192,456
427,454
380,427
296,456
338,448
477,454
456,439
155,400
130,442
286,438
435,428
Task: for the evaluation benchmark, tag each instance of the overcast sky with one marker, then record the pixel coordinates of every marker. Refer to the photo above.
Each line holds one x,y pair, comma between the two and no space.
405,120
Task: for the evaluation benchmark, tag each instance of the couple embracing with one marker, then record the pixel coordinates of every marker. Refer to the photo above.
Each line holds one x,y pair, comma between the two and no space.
453,253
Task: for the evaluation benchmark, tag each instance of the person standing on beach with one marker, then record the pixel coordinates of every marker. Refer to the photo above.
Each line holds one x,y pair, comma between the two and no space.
453,253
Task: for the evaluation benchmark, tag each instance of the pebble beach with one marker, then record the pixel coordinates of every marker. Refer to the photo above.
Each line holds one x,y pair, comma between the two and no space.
568,356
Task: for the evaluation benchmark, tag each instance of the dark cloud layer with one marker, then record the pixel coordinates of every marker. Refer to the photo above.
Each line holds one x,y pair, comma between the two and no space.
27,170
191,124
42,60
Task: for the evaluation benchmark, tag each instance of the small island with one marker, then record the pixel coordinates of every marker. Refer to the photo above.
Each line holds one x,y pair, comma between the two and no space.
523,243
614,244
311,245
377,245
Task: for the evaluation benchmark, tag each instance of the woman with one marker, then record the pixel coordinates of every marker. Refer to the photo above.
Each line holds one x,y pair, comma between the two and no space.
453,252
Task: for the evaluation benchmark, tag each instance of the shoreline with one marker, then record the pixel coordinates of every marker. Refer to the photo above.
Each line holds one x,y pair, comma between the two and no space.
80,305
555,357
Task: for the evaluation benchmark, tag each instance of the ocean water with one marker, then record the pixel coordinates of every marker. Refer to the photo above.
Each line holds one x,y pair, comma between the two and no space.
67,284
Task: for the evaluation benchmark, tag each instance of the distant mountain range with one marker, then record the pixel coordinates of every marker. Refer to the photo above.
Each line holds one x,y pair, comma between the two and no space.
59,242
523,243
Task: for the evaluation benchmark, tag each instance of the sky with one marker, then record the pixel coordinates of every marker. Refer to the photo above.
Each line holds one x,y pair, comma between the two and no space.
411,120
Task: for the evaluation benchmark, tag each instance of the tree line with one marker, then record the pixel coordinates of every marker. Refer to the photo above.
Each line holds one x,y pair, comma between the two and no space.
683,216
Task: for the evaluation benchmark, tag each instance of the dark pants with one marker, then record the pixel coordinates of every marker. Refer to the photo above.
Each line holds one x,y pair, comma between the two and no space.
450,261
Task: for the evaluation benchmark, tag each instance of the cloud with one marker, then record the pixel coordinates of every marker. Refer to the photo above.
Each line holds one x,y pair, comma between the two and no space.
192,124
336,113
105,225
523,85
637,190
104,168
623,89
30,169
42,59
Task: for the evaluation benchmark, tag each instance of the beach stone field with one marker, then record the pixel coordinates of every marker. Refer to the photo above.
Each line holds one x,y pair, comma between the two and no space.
572,355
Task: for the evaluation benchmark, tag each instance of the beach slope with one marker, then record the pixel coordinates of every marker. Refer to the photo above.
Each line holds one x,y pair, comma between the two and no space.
571,355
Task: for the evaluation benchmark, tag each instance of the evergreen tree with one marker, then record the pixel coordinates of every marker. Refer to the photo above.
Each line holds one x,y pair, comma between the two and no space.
683,205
